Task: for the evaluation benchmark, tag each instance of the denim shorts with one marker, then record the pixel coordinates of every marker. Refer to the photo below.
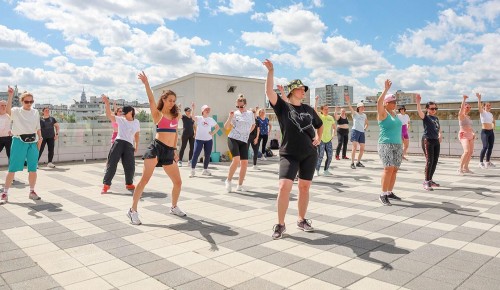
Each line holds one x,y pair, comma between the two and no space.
357,136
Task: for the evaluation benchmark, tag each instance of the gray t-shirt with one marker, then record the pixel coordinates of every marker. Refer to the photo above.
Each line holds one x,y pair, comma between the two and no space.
358,123
242,123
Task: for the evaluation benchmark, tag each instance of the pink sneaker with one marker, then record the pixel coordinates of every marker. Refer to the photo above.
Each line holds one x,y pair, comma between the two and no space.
34,196
4,199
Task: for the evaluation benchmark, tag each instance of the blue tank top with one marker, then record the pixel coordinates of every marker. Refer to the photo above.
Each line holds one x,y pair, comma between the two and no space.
390,130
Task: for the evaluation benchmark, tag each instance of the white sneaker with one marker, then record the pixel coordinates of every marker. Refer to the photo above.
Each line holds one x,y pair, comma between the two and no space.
317,173
255,167
489,164
51,165
326,173
240,188
482,165
177,211
263,158
228,185
134,217
193,173
179,163
206,172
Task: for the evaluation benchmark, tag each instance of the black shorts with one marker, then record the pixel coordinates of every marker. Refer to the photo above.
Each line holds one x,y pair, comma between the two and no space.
164,153
305,166
238,148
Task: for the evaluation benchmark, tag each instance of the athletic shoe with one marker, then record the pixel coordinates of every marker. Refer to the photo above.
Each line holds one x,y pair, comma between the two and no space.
263,158
427,186
228,185
337,157
359,164
433,184
130,186
489,164
353,166
279,230
460,172
33,196
482,165
193,173
256,168
393,196
468,171
105,188
4,199
345,157
179,163
384,200
51,165
326,173
206,172
177,211
134,217
240,188
305,225
317,173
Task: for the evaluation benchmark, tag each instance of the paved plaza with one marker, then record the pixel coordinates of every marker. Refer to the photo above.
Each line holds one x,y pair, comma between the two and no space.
76,238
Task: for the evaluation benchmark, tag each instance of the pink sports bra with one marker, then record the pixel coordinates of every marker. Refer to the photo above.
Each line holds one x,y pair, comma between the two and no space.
167,125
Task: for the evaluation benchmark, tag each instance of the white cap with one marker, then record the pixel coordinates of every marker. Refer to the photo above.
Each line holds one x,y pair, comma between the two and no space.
204,107
360,104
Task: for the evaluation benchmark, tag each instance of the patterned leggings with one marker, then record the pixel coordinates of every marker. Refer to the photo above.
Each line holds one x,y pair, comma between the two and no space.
329,154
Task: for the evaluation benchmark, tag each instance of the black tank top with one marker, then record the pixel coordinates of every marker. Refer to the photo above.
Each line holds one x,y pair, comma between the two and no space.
342,121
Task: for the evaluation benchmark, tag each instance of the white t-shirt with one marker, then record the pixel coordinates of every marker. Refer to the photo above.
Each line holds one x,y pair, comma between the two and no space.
405,119
127,129
203,128
358,122
242,123
24,121
5,125
486,117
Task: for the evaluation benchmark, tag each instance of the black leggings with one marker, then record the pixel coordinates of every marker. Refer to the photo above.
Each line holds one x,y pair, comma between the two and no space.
431,149
50,146
488,138
185,140
342,137
255,148
264,143
6,142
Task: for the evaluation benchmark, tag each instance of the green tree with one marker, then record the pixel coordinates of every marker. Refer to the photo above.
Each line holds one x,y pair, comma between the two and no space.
143,117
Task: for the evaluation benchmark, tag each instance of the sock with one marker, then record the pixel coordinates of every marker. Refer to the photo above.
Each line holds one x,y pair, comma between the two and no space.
383,193
32,189
6,190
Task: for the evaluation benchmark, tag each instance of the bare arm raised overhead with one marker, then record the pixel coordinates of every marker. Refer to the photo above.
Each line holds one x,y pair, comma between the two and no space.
348,101
479,105
270,93
461,113
151,98
381,112
421,114
109,115
9,100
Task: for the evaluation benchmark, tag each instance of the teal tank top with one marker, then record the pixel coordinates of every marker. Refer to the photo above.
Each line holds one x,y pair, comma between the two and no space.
390,130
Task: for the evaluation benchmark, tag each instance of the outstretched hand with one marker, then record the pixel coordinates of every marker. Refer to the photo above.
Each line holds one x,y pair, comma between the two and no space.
268,64
105,99
478,95
10,90
142,76
388,84
418,98
347,99
465,97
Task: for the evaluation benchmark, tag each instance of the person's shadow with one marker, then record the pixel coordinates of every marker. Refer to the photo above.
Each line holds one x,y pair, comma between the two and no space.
445,205
146,194
205,228
477,190
263,195
56,169
39,206
333,185
386,245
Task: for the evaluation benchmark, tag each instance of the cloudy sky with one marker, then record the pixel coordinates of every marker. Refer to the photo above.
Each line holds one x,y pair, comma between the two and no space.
441,49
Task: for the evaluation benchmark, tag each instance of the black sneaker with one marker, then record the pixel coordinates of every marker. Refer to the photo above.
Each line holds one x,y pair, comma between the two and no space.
393,196
353,166
359,164
305,225
278,231
433,184
384,200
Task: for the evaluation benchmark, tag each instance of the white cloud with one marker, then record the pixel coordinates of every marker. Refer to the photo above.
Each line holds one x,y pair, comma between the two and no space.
237,7
348,19
260,39
234,64
18,39
317,3
79,49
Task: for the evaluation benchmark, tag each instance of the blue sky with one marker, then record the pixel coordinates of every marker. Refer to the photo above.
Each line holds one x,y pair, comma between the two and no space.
442,50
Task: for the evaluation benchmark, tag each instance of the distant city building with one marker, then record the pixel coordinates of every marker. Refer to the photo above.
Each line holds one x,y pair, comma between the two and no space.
333,95
54,109
15,100
402,98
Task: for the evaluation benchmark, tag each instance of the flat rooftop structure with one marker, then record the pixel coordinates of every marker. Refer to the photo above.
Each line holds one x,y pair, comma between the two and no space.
77,238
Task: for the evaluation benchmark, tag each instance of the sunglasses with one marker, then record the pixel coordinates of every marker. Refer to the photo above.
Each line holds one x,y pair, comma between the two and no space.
240,107
28,102
433,109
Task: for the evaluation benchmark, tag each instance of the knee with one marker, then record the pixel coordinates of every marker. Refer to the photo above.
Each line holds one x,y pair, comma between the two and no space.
177,183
